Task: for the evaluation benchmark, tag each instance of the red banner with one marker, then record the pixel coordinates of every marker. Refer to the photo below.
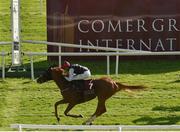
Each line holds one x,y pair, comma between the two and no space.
151,25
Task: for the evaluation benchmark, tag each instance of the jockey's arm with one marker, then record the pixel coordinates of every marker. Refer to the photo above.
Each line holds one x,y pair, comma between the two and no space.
71,74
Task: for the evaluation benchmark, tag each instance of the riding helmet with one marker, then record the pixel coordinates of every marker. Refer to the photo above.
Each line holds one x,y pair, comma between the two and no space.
66,64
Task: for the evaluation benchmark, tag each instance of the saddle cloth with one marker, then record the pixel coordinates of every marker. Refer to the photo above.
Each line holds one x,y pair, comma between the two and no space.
83,85
84,89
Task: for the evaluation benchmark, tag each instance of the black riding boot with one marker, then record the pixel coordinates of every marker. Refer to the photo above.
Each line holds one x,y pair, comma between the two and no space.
78,84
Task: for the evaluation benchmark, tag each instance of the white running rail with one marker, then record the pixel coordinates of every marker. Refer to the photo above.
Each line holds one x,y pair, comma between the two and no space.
119,128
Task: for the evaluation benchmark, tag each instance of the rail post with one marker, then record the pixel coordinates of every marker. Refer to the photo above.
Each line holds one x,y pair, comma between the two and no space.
119,129
117,61
60,56
117,64
108,65
20,128
32,67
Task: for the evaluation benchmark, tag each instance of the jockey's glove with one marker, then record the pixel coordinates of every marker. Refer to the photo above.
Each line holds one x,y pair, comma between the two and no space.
68,79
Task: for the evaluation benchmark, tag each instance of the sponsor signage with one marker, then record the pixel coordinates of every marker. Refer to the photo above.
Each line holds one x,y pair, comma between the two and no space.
148,25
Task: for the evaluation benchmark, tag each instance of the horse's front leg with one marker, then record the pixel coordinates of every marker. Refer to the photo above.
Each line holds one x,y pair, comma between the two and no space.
56,105
69,107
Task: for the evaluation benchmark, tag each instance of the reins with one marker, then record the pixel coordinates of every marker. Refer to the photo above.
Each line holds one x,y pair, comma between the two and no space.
66,89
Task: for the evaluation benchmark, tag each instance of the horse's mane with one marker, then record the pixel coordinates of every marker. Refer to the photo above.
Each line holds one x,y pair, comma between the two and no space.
58,70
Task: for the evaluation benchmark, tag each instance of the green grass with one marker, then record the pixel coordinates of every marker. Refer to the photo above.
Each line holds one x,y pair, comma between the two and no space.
24,101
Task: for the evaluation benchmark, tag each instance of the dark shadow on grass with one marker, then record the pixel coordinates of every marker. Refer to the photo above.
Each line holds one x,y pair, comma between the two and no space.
125,67
149,67
165,108
100,67
27,82
167,120
3,81
39,68
176,81
134,66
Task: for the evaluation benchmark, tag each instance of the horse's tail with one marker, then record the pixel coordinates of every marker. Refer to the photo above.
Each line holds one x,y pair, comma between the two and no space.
129,88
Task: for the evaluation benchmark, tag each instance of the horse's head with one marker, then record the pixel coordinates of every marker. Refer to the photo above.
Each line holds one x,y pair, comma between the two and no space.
47,75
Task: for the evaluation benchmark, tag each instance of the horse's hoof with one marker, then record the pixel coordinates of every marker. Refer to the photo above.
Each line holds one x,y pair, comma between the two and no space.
81,116
90,123
87,123
58,119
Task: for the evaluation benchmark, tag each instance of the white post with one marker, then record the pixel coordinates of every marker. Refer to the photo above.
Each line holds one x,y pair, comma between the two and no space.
15,22
60,56
108,65
32,68
20,128
119,129
117,62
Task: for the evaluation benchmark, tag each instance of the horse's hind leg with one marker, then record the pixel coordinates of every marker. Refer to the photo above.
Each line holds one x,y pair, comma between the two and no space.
101,108
69,107
56,105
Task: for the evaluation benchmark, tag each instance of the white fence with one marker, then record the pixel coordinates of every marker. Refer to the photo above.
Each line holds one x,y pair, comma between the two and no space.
5,43
107,54
117,52
81,46
119,128
86,47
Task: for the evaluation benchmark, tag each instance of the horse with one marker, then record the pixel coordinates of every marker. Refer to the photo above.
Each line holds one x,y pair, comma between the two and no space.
103,88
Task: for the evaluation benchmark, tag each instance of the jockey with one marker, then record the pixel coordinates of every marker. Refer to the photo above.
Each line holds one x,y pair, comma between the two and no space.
76,71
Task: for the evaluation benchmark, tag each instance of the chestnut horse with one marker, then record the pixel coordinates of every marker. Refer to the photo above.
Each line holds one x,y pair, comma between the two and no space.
104,88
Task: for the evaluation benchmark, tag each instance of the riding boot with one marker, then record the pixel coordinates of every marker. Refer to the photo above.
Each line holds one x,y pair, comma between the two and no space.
78,84
74,84
81,84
